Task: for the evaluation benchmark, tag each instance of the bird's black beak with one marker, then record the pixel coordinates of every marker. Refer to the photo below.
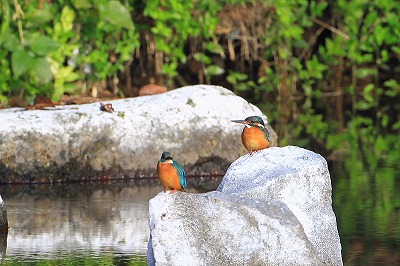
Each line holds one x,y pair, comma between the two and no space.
240,121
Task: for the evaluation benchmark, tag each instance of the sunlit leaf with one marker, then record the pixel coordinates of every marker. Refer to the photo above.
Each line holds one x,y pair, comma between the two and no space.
66,74
9,41
119,15
67,18
35,17
393,88
82,4
241,87
317,8
363,105
214,47
202,58
215,70
21,62
365,72
43,45
380,34
41,68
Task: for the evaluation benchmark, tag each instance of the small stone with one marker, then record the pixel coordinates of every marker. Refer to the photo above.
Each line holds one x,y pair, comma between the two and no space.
151,89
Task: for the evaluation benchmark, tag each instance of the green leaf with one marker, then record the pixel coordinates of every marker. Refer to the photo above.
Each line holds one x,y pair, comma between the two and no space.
396,49
317,8
82,4
163,46
9,41
41,68
365,72
367,93
242,87
21,62
381,33
162,30
67,18
43,45
396,126
36,17
215,70
202,58
393,88
118,15
362,105
214,47
67,74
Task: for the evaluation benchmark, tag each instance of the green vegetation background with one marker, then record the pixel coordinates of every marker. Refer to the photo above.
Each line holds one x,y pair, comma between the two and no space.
325,72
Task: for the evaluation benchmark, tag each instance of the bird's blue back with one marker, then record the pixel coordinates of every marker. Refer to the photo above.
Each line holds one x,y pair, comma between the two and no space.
181,173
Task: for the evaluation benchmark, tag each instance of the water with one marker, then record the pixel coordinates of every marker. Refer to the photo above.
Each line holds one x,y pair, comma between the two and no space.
79,223
107,224
367,207
100,221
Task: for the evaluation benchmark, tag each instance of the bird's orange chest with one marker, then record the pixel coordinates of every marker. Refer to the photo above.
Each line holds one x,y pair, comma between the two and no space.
254,139
168,176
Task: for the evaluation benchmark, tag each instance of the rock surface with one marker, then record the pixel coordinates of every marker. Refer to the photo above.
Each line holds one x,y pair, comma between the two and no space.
78,141
272,208
219,229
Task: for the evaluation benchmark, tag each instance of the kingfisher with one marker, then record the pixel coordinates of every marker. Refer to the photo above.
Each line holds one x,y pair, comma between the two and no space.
255,136
171,173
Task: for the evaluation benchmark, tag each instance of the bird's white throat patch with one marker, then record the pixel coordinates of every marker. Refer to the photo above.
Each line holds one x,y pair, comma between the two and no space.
259,125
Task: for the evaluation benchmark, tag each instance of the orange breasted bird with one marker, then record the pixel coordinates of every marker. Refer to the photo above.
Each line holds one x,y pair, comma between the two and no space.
255,136
171,173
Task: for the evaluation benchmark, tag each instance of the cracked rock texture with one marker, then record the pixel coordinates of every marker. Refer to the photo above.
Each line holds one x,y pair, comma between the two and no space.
73,141
272,208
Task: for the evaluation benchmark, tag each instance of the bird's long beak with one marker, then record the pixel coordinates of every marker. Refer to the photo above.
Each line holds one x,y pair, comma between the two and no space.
240,121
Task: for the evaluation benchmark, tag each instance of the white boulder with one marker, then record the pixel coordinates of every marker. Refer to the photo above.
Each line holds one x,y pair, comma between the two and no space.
272,208
299,178
192,122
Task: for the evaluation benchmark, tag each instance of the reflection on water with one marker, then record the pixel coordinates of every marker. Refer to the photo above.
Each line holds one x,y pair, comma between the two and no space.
107,224
3,245
92,220
367,206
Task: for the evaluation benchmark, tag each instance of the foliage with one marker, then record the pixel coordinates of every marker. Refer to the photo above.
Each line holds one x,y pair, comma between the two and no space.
45,44
316,68
178,24
342,69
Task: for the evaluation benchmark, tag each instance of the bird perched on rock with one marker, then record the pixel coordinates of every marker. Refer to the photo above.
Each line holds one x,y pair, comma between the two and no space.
171,173
255,136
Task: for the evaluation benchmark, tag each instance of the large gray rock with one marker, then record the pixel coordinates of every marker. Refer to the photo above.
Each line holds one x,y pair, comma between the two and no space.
272,208
219,229
298,177
74,141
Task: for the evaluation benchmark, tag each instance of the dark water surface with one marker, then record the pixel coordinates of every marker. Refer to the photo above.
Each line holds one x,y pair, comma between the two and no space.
107,223
366,201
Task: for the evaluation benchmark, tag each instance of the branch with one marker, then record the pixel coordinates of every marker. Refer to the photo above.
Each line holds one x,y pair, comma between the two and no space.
331,28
